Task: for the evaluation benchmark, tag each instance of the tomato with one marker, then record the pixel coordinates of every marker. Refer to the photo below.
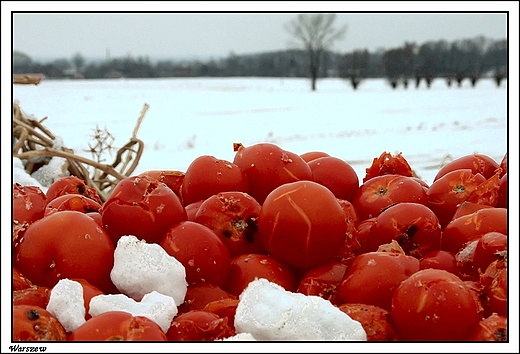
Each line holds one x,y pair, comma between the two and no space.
466,208
66,244
490,247
471,227
490,329
347,252
246,267
35,296
374,321
414,226
378,193
503,165
372,278
198,325
118,326
233,217
28,203
449,191
311,155
268,166
76,202
172,179
433,305
439,259
72,185
204,256
20,281
199,295
323,281
388,164
363,229
502,192
494,294
142,207
302,224
478,163
34,323
487,192
224,308
207,175
335,174
191,209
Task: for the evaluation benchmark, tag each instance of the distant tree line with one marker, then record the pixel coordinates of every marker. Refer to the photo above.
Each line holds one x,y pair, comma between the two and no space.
454,62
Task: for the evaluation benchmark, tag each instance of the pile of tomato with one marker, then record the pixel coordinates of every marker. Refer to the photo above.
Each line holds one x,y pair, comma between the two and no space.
408,260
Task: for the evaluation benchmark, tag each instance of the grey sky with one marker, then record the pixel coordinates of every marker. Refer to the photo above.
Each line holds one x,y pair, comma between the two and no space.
174,35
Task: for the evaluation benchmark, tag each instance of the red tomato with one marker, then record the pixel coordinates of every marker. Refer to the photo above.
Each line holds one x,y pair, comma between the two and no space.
172,179
490,329
494,294
118,326
388,164
433,305
246,267
72,185
66,244
34,323
347,252
35,296
223,308
414,226
363,229
323,281
20,281
142,207
502,192
503,165
302,224
267,166
471,227
191,209
378,193
207,175
490,247
374,321
449,191
198,325
204,256
233,217
76,202
478,163
199,295
28,203
439,259
335,174
487,192
466,208
372,278
311,155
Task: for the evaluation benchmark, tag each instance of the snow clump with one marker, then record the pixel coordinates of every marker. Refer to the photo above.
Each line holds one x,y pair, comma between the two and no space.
268,312
67,305
155,306
140,268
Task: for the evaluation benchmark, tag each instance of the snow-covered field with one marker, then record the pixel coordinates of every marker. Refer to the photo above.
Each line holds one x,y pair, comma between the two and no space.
189,117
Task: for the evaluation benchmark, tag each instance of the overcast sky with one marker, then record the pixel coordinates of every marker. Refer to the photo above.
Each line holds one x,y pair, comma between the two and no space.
186,35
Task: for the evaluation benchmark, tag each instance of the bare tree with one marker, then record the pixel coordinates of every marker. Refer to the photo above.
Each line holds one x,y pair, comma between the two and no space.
317,33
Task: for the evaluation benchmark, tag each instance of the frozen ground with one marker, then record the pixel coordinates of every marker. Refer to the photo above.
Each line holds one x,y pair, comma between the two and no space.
205,116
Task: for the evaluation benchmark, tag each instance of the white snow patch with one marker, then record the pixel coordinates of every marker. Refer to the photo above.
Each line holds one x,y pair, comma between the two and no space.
155,306
140,268
67,305
268,312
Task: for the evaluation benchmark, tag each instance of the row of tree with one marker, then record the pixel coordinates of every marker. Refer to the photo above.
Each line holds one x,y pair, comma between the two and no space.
455,61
